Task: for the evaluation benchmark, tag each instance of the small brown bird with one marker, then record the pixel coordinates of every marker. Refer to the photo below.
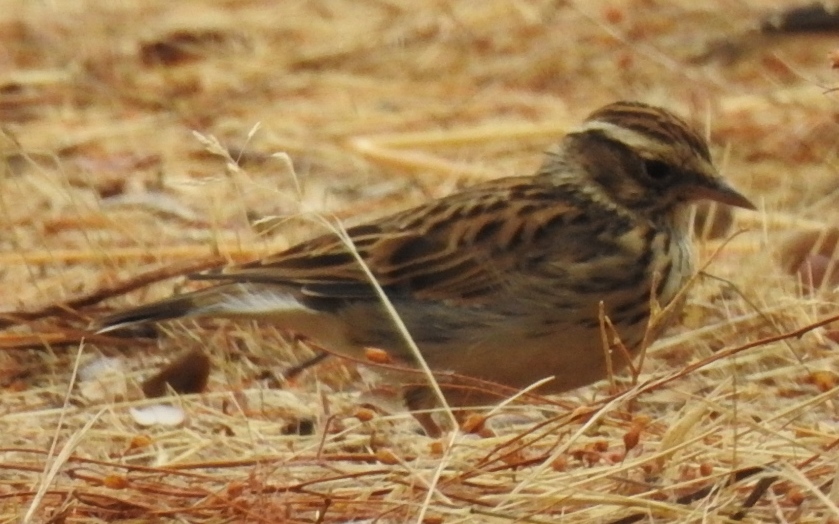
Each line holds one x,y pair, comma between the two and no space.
504,280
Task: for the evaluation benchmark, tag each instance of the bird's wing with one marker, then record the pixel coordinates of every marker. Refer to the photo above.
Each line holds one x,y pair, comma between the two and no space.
458,248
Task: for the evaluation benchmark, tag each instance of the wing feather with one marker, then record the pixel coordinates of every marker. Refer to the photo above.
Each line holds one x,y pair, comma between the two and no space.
457,248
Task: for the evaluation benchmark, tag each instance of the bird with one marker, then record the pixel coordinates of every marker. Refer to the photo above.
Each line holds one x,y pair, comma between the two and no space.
509,280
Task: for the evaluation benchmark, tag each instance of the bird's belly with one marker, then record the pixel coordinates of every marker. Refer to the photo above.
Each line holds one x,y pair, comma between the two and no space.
569,355
525,337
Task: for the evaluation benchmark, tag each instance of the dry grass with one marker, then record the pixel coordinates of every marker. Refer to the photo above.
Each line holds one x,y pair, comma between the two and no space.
107,194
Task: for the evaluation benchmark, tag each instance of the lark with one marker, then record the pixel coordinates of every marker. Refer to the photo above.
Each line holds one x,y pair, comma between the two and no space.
512,281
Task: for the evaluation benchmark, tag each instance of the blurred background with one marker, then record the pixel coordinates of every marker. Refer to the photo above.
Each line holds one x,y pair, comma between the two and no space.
143,136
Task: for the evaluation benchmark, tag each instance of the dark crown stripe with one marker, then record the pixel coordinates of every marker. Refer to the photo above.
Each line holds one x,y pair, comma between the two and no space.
652,122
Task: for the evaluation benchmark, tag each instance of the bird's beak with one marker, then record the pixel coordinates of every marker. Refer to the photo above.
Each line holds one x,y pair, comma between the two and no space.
719,191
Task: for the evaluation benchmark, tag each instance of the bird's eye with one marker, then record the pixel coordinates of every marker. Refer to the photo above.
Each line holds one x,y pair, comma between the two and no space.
658,170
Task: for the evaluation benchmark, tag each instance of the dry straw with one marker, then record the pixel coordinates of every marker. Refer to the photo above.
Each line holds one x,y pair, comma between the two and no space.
107,198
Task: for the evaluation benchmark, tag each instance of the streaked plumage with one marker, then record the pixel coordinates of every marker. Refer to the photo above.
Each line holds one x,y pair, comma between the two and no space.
502,280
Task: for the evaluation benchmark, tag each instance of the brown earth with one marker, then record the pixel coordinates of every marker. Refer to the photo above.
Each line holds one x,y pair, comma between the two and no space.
149,139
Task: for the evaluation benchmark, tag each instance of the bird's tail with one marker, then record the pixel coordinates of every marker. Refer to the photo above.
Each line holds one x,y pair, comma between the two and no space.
223,300
167,309
240,299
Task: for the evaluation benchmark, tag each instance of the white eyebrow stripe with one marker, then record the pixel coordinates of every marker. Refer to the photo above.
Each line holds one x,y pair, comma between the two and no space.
649,146
633,139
